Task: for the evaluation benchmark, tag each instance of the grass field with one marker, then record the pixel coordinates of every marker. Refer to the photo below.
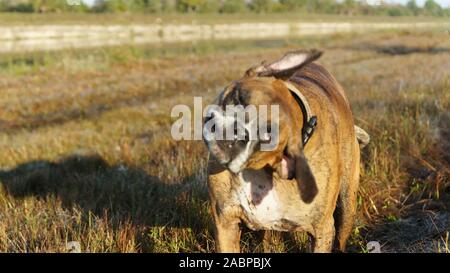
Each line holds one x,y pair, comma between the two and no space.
87,154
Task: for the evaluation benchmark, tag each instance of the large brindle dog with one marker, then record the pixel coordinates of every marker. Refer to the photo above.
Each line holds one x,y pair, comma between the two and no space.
309,182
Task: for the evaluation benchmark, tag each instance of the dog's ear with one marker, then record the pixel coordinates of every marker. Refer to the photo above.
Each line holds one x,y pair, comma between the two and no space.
305,179
285,67
295,165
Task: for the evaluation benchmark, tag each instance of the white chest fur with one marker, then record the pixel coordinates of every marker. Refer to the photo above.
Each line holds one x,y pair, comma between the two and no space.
260,203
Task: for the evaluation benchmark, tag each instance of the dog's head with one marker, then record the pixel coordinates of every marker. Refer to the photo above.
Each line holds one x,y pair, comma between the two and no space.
239,141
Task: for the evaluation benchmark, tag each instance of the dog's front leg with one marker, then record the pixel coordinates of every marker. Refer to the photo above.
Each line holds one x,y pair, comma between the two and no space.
227,232
228,238
225,214
324,237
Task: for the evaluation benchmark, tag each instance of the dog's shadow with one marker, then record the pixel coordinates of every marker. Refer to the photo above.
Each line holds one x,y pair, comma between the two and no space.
90,184
121,194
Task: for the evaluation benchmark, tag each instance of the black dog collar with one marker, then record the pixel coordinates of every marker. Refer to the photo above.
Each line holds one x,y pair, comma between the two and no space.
309,121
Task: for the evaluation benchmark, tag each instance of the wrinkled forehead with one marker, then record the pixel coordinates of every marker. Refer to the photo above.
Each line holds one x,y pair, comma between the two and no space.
249,91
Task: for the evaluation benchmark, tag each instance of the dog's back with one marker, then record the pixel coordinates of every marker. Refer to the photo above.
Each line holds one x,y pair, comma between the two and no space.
316,78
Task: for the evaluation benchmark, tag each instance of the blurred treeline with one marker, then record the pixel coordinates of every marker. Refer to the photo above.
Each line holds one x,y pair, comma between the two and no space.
345,7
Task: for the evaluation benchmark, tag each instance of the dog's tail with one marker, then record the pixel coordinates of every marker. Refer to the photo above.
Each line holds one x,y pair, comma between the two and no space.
362,136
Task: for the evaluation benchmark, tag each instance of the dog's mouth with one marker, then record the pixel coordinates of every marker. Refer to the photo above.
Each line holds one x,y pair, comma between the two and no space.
234,159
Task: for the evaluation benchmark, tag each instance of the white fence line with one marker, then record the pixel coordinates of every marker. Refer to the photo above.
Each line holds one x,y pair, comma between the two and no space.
54,37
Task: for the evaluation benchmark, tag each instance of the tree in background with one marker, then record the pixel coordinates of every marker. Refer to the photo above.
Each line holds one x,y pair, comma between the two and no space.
413,7
397,10
189,5
17,6
261,6
57,6
233,6
167,5
347,7
294,5
327,6
433,8
152,6
209,6
40,6
110,6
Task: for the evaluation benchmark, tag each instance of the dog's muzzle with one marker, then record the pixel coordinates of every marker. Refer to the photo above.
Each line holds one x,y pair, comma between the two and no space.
229,140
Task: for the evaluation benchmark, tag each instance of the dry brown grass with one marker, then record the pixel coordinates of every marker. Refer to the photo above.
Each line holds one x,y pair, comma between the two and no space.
87,154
